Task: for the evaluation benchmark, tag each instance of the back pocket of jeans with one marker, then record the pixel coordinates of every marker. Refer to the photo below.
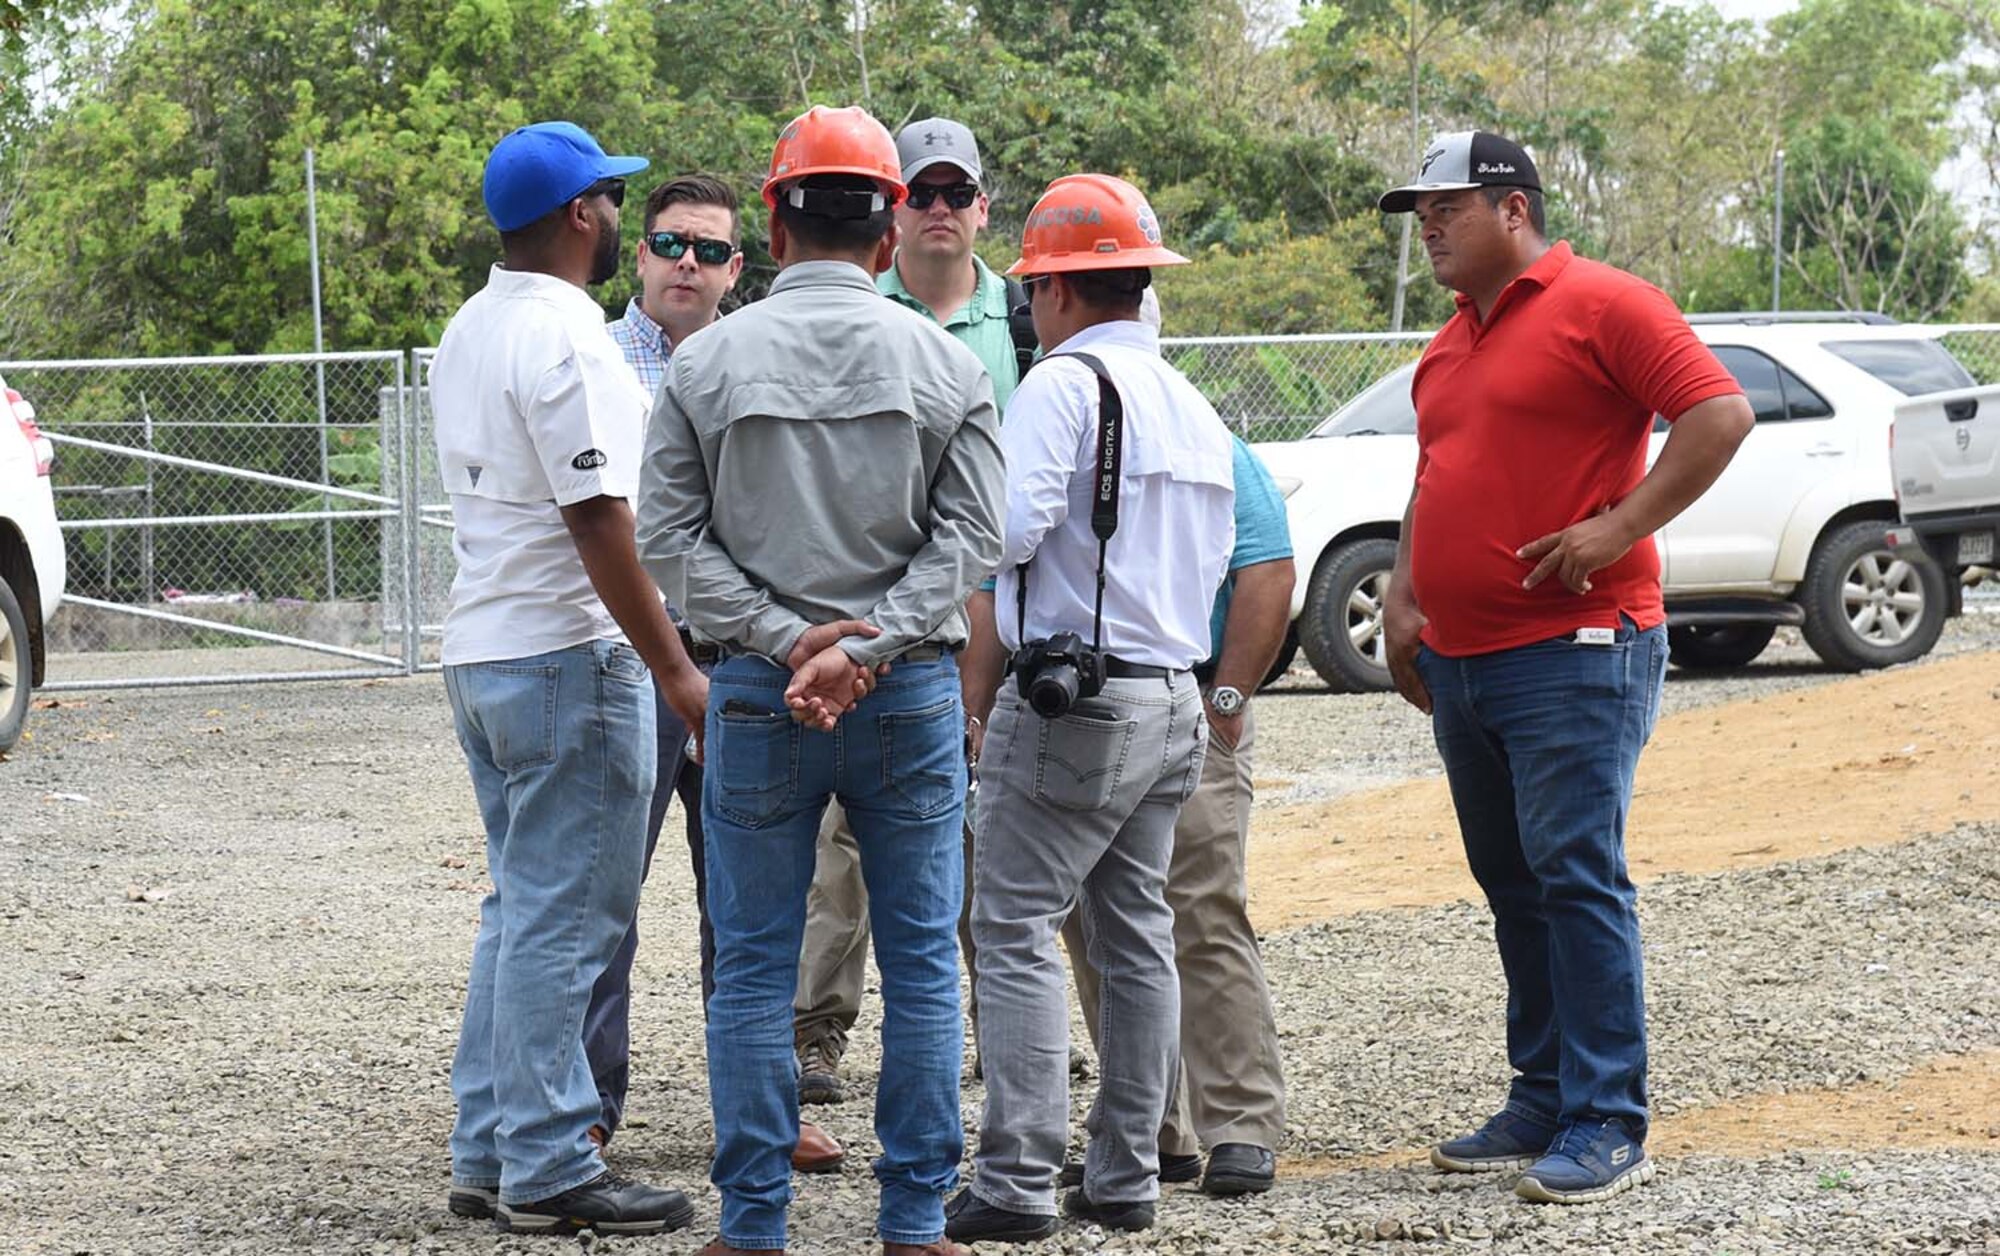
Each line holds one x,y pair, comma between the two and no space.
923,757
756,761
517,711
1079,761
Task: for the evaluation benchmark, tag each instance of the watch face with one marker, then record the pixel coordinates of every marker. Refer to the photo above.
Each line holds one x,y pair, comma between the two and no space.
1226,701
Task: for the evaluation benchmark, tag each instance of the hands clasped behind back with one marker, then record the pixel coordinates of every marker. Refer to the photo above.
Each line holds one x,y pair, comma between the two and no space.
826,683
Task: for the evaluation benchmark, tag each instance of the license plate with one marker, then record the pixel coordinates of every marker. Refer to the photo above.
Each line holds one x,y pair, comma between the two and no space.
1975,549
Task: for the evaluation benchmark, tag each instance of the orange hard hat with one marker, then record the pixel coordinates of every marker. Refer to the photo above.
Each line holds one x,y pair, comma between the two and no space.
835,141
1091,222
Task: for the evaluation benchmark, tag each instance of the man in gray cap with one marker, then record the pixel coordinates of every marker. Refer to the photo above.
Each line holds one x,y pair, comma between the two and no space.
937,274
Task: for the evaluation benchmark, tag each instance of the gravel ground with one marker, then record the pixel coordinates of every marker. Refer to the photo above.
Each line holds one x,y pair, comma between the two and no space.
1304,755
238,922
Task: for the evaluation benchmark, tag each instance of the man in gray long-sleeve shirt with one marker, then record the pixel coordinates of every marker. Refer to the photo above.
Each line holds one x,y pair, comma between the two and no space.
821,491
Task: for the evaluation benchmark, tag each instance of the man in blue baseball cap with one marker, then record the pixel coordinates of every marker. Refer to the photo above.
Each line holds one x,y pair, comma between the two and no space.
552,646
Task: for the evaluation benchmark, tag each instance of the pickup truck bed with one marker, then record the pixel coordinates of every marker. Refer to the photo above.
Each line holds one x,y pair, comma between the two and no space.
1945,457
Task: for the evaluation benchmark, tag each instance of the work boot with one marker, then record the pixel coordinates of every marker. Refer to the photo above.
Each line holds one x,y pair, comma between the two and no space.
1239,1169
608,1204
819,1068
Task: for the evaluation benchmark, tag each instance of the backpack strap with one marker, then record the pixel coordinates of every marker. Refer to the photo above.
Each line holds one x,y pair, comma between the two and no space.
1021,327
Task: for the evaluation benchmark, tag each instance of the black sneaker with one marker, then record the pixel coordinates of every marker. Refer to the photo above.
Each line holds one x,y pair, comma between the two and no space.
970,1219
1239,1169
608,1204
1133,1216
475,1202
1173,1169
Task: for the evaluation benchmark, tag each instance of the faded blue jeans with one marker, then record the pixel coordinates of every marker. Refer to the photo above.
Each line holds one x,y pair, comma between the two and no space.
607,1025
896,762
562,757
1540,744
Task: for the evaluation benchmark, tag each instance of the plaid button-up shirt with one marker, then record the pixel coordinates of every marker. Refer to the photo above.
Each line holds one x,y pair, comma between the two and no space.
644,344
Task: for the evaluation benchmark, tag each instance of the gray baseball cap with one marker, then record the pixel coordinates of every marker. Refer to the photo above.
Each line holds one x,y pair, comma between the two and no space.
1458,160
921,145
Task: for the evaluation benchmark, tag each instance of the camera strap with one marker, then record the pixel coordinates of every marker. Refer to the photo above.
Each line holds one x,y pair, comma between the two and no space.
1106,470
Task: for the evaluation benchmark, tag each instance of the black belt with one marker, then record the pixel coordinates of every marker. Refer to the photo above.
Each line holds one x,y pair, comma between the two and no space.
1119,669
703,653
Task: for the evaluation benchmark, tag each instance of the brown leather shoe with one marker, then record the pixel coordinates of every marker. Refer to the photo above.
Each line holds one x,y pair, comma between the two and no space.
818,1151
716,1247
943,1247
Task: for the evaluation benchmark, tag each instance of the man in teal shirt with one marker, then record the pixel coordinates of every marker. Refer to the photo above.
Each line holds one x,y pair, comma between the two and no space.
938,275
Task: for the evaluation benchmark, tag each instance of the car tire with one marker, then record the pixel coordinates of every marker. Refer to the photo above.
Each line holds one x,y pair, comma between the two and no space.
1867,605
1341,627
17,668
1717,647
1283,663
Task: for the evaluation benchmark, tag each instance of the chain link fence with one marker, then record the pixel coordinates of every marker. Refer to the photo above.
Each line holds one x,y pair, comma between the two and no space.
291,506
241,502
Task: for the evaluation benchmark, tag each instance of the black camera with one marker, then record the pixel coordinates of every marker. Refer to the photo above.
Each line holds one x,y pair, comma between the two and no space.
1056,672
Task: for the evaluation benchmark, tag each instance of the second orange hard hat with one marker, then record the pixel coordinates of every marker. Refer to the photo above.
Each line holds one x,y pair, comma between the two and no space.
1091,222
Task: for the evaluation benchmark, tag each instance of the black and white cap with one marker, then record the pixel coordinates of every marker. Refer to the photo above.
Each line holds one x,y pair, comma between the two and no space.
1465,159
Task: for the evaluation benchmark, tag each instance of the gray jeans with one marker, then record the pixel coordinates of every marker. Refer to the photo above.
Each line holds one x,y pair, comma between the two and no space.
1080,808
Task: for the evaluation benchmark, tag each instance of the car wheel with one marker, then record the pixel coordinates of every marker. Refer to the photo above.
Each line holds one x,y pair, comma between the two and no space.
1283,663
1867,605
1716,647
1341,629
17,668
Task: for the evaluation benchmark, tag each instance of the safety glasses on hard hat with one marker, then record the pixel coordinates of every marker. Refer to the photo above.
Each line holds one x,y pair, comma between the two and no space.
672,245
956,195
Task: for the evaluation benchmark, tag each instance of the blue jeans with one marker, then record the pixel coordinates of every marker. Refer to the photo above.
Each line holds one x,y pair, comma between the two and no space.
1539,744
607,1024
896,762
561,751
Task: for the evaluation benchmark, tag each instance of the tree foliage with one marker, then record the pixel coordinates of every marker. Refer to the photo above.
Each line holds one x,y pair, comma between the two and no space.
152,173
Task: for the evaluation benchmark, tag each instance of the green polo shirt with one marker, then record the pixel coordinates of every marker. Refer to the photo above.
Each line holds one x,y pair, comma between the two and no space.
981,326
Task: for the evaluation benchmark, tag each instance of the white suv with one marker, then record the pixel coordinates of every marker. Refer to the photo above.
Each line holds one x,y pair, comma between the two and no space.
1792,533
32,567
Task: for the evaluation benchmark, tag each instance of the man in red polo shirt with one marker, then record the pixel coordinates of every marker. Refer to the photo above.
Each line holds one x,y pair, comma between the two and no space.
1525,618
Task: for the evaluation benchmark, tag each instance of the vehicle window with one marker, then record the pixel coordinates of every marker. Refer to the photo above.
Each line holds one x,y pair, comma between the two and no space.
1801,402
1908,366
1759,377
1385,409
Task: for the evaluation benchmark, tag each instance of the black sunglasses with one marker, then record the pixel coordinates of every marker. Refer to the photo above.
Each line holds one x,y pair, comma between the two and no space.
956,195
672,245
613,187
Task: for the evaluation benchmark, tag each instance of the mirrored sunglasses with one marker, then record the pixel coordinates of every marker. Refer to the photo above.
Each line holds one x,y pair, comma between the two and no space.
672,245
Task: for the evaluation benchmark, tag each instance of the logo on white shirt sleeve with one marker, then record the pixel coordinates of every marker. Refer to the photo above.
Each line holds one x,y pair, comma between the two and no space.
589,460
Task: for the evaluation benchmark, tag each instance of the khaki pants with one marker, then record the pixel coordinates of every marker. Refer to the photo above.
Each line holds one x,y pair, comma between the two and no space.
833,960
1232,1087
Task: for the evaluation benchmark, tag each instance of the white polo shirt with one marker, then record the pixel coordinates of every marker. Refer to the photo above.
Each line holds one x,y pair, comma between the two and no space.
535,409
1176,506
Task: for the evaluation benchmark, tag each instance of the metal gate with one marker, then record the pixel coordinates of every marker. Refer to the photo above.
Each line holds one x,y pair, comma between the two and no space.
230,519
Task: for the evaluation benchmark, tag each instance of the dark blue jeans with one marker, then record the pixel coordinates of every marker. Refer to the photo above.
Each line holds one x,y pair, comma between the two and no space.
607,1031
1539,744
896,762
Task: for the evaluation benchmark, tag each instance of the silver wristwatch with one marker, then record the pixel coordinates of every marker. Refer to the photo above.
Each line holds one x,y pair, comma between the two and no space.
1227,700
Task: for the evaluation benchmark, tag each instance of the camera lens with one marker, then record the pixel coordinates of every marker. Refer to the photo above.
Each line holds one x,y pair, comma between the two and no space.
1053,691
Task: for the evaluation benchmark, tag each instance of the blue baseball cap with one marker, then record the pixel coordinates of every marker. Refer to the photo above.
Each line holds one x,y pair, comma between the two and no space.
543,166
